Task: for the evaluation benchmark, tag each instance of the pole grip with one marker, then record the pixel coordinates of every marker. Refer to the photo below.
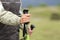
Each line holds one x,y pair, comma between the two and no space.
25,11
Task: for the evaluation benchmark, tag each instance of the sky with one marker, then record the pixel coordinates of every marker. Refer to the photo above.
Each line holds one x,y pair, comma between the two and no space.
26,3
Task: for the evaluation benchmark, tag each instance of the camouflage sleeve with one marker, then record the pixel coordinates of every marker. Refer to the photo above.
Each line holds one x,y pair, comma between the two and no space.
7,17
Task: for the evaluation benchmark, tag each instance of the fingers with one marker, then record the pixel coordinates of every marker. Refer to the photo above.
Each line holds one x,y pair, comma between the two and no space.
25,18
30,32
27,15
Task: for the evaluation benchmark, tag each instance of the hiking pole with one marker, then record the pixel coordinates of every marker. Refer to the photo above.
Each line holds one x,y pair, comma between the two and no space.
25,29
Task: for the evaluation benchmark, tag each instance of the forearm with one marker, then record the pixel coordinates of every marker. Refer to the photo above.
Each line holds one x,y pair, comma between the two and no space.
7,17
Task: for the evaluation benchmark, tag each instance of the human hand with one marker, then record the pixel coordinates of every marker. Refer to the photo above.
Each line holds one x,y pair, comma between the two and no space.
25,18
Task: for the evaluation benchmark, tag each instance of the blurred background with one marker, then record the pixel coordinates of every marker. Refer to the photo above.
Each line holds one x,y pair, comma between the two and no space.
45,15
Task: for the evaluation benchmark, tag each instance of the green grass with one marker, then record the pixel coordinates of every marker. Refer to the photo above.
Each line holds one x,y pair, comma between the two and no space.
46,29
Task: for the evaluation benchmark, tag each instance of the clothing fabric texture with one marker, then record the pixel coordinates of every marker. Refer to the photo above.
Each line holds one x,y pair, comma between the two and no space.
9,19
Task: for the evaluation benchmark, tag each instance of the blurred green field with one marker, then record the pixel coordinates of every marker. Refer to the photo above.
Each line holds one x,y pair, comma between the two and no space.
46,29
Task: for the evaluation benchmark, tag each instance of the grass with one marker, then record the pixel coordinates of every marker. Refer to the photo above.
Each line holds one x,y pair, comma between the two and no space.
46,29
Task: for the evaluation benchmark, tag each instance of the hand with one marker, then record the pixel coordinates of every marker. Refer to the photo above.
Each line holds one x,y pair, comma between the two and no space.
25,18
30,31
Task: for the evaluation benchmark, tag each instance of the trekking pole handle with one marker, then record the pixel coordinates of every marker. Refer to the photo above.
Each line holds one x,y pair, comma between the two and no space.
25,11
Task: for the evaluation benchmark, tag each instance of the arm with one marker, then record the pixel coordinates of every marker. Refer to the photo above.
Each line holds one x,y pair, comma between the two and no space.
7,17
